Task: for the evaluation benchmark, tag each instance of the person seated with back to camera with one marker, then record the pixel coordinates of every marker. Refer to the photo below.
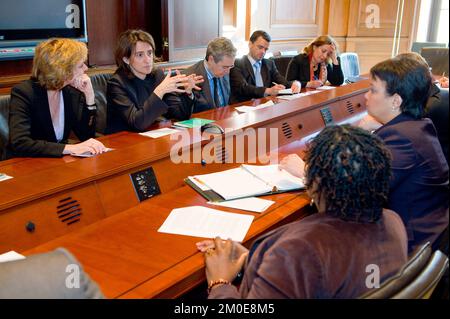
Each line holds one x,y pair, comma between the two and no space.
319,63
56,100
138,93
324,255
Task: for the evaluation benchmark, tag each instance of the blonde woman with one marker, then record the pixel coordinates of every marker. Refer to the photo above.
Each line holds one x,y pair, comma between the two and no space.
56,100
318,63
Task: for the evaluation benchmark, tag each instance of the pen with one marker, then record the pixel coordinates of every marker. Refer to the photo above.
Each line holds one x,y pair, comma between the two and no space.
443,74
275,83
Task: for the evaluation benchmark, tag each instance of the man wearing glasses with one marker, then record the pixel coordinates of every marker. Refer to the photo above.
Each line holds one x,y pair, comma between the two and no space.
215,69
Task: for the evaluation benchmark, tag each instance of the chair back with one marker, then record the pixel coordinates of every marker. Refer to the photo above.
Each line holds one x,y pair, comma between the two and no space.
99,83
437,59
4,124
282,63
415,280
417,46
349,64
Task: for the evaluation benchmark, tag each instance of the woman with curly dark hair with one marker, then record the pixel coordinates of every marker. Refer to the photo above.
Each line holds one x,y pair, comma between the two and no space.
329,254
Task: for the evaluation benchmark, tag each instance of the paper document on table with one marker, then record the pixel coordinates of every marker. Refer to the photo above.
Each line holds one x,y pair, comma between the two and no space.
285,91
11,256
89,154
246,108
4,177
325,87
248,181
252,204
199,221
159,133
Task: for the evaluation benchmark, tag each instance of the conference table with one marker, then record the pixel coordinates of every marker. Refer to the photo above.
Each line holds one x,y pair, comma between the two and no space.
91,207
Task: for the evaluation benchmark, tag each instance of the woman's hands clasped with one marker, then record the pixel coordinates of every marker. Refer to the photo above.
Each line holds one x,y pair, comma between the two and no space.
178,83
224,258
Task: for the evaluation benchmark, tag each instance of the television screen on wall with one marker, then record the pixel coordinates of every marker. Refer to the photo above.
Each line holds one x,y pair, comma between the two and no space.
24,23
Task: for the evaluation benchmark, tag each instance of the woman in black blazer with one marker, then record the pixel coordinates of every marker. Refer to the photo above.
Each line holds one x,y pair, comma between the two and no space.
58,99
138,94
318,63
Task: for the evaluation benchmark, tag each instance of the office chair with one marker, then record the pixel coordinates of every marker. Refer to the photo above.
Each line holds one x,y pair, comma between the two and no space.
350,66
415,280
437,59
4,124
417,46
282,63
99,83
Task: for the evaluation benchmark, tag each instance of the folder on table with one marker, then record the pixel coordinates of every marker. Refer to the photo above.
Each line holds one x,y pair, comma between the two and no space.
244,181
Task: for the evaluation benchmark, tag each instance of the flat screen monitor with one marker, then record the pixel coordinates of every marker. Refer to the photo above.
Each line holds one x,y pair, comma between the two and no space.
24,23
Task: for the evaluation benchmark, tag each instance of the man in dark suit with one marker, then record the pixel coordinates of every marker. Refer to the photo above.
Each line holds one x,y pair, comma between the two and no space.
256,77
215,69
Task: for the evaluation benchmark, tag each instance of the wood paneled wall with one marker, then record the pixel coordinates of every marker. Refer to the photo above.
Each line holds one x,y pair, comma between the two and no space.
187,26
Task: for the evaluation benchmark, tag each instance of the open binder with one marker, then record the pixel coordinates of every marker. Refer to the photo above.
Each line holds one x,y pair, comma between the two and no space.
244,181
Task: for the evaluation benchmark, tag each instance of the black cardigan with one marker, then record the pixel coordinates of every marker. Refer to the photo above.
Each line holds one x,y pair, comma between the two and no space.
126,113
299,70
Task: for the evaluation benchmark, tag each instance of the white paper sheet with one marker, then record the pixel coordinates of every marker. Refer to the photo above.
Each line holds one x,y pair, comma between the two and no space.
159,133
246,108
285,91
199,221
326,87
11,256
4,177
252,204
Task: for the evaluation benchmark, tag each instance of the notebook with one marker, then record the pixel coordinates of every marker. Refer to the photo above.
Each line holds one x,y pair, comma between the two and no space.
193,122
244,181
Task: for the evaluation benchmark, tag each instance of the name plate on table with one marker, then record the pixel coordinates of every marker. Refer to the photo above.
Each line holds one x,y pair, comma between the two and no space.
145,184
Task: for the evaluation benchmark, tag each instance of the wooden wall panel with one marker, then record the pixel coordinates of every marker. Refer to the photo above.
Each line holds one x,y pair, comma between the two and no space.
338,18
287,19
105,21
193,24
388,15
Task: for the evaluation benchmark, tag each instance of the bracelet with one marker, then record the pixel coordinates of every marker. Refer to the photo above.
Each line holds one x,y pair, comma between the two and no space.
214,283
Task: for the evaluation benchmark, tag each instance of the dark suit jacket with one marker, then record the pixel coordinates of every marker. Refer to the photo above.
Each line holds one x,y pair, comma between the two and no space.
419,187
320,256
126,113
243,83
30,122
45,276
299,70
204,99
437,110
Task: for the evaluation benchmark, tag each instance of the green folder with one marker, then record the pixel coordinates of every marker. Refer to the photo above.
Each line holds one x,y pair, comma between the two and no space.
193,122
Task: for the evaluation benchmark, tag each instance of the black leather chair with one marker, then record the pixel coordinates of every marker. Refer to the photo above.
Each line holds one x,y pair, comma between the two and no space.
99,83
4,125
282,63
437,110
416,280
437,59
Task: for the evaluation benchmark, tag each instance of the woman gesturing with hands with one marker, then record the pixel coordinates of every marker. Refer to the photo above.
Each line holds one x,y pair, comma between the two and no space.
139,94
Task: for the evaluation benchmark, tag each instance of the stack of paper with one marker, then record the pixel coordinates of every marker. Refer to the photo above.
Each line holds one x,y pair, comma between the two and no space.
201,221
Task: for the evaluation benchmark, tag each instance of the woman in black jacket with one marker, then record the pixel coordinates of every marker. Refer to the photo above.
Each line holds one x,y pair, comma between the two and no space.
57,100
138,94
318,63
